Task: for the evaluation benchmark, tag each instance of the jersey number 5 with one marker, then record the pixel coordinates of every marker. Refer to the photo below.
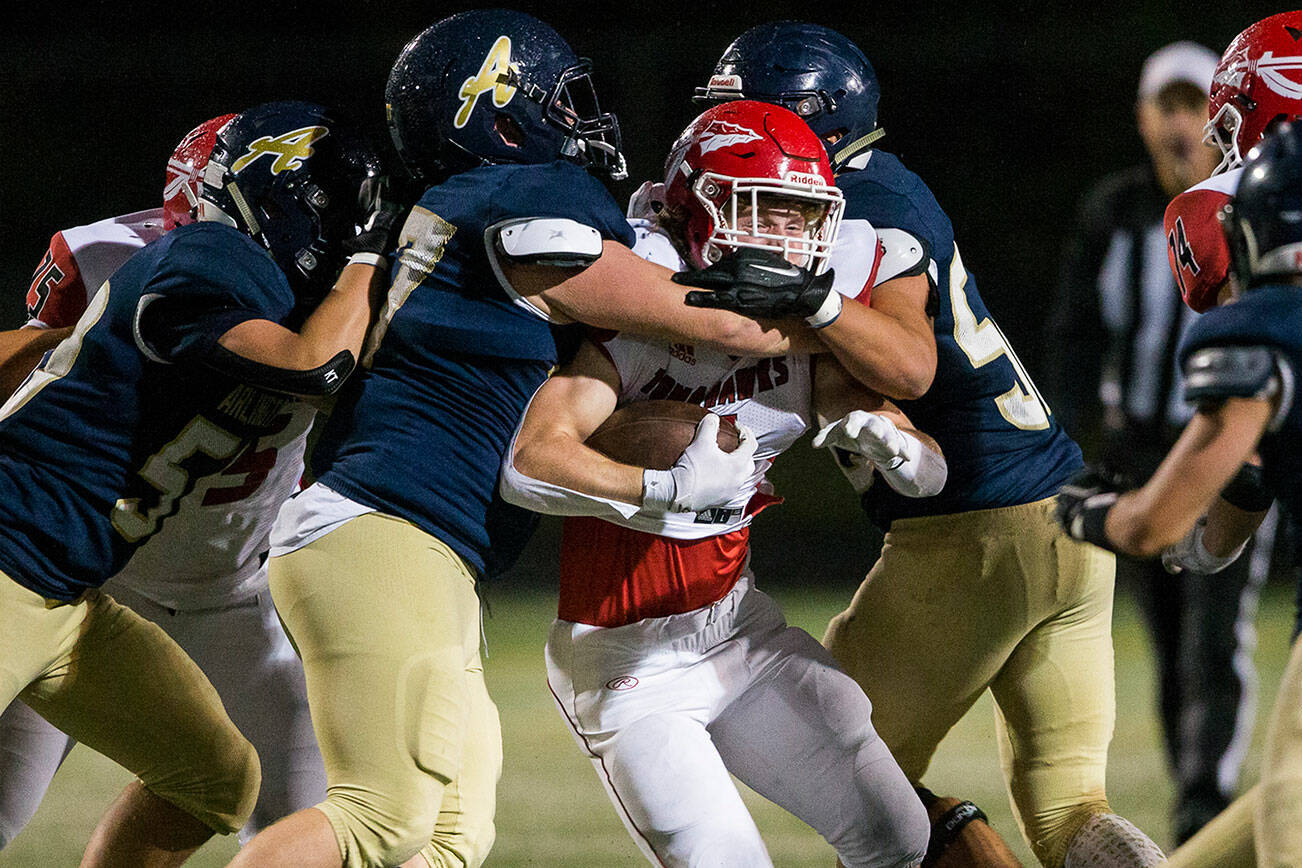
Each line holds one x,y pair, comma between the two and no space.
983,342
164,472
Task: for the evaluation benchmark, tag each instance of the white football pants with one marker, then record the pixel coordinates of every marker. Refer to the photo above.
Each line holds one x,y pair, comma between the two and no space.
667,707
245,654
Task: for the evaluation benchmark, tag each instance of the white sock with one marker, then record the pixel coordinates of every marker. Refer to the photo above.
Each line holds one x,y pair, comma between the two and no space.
1110,841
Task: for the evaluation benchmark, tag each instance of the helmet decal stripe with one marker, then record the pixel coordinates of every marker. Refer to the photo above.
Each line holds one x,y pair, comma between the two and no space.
493,75
289,149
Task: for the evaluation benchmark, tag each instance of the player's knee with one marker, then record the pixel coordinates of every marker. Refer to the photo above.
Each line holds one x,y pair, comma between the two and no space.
376,829
222,796
709,844
900,839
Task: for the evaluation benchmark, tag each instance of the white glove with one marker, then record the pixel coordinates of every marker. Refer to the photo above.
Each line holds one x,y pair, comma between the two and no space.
1190,554
704,475
872,436
907,466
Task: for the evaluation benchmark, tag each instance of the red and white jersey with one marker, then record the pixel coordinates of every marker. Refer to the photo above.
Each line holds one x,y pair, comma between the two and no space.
78,262
1195,245
618,571
209,553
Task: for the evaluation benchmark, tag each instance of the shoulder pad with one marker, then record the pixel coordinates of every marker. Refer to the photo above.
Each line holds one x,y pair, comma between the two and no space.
903,255
1216,373
556,241
1196,248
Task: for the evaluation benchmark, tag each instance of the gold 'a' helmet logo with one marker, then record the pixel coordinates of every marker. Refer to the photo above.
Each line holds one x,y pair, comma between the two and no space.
289,149
492,75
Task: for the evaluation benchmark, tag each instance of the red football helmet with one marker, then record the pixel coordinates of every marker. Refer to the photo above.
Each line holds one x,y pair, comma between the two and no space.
734,165
185,170
1258,81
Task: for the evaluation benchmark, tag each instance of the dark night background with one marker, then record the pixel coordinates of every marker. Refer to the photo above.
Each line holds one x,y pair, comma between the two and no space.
1007,110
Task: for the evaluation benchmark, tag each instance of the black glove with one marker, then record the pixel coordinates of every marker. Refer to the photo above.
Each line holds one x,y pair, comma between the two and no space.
759,284
1083,504
380,232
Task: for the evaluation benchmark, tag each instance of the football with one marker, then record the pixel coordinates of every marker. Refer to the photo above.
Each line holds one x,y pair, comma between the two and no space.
654,433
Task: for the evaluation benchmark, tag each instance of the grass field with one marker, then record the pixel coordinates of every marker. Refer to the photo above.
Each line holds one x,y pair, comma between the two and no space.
553,812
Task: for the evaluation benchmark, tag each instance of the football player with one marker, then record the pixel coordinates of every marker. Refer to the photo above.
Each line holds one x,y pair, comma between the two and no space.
181,371
671,670
225,622
1254,89
1255,86
1239,363
1037,630
374,567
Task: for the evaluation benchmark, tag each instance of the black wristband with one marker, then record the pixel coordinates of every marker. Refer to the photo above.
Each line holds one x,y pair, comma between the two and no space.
1247,490
1092,522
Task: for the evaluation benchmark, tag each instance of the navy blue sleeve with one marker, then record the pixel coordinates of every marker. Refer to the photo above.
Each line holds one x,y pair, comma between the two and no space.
561,189
208,283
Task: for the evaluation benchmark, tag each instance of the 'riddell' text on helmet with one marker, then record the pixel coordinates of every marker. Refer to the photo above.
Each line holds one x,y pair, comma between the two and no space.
1257,83
496,86
738,162
299,182
811,70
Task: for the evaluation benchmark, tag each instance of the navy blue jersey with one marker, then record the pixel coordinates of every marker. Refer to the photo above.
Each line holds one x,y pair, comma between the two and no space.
103,444
1001,443
1267,317
451,364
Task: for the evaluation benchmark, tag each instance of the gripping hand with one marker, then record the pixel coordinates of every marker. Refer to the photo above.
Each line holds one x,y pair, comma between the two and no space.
379,234
763,284
1083,505
872,436
704,475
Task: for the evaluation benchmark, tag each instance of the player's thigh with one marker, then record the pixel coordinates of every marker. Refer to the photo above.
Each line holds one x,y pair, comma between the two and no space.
386,620
926,632
802,736
31,750
128,691
1055,695
638,708
1278,811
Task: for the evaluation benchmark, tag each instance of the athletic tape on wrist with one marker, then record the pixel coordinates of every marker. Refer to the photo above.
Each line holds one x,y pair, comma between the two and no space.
365,258
827,312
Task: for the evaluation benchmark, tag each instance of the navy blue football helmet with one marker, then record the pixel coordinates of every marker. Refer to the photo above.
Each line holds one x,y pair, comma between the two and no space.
298,182
496,86
810,70
1263,222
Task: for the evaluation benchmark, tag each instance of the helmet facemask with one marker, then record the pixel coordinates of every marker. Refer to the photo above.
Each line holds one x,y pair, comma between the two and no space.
591,137
762,213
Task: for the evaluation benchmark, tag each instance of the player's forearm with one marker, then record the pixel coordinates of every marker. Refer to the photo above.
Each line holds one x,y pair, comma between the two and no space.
1228,527
1211,450
341,319
558,459
882,353
21,351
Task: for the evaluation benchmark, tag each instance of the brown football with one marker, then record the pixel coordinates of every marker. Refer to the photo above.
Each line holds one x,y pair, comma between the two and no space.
654,433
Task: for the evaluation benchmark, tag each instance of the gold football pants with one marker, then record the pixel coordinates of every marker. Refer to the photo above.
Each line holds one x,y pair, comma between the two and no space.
999,599
386,619
119,685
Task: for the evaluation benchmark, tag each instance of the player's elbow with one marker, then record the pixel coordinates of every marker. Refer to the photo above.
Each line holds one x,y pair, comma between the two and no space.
915,378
